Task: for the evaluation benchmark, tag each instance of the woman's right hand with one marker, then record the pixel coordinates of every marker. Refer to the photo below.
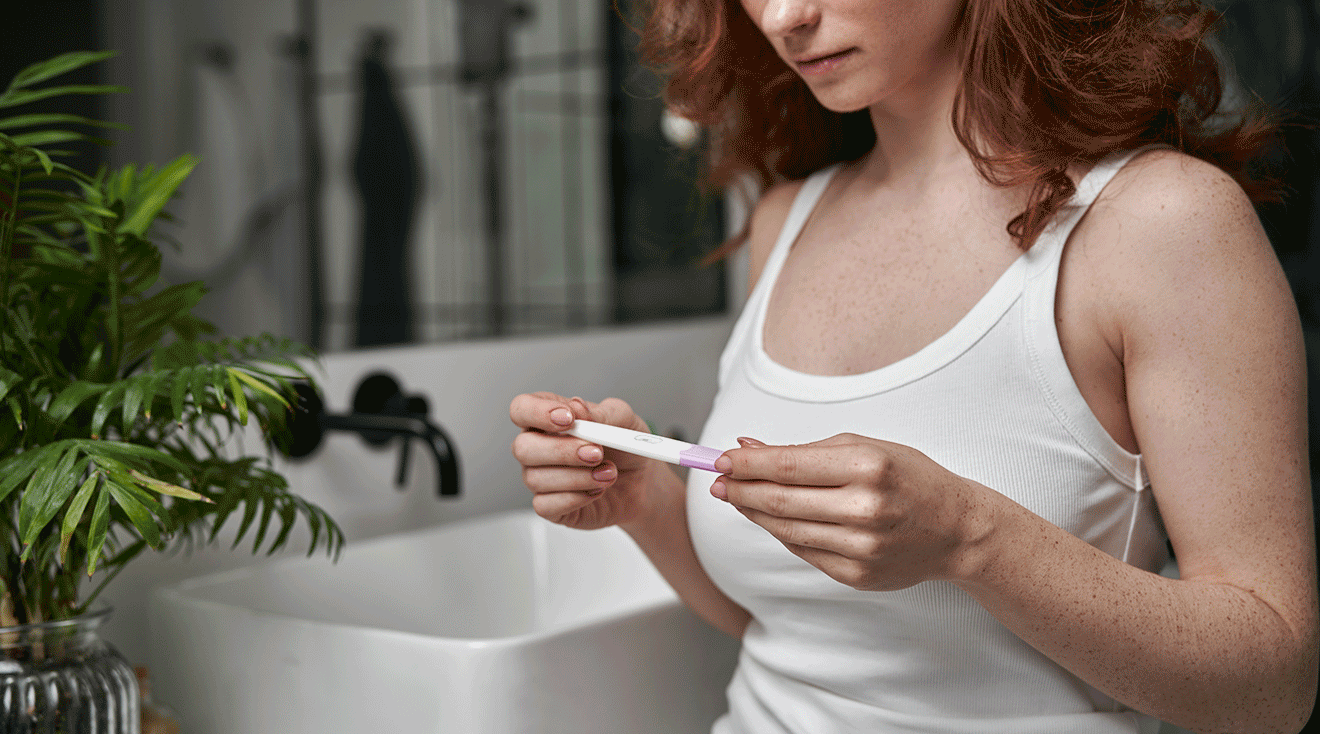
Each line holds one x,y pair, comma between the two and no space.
575,482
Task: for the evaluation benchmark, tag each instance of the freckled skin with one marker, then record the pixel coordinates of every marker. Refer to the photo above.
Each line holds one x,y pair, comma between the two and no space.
1179,330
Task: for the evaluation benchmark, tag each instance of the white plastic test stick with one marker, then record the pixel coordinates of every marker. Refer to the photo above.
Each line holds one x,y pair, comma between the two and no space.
647,444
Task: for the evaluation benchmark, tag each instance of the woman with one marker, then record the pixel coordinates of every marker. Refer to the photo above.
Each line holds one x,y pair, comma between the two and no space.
1012,335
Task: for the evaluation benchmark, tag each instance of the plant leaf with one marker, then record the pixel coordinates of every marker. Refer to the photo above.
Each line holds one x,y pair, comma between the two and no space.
137,513
46,494
259,385
96,535
8,379
73,515
53,67
263,525
46,163
240,400
109,400
164,487
156,191
251,503
16,97
17,409
16,469
123,450
48,137
135,391
57,118
71,397
177,392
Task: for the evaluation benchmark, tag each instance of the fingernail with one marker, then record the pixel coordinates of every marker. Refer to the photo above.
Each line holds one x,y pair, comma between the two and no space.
561,417
603,474
723,464
749,443
719,491
581,404
591,454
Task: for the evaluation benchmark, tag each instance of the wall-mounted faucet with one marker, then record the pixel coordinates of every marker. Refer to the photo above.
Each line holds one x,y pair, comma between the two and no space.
380,412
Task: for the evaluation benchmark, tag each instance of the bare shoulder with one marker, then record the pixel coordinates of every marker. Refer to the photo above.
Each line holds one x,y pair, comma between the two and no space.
1171,230
1168,205
767,221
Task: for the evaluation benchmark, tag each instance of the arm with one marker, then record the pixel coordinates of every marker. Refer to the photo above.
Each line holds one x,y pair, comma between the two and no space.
1214,371
1212,366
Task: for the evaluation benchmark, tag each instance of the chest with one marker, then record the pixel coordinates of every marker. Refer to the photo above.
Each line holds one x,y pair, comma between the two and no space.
858,293
862,292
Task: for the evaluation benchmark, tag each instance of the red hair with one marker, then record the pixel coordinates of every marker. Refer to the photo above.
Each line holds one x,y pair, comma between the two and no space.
1047,85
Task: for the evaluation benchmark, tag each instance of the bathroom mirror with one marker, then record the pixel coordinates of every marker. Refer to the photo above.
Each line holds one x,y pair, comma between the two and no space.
412,171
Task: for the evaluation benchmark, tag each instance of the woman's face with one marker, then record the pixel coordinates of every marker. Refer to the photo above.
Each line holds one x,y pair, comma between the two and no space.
856,53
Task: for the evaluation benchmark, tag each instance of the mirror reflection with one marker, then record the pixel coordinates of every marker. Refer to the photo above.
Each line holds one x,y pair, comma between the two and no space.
421,170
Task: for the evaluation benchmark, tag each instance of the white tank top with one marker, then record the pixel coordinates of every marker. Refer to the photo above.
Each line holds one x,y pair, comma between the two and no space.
991,400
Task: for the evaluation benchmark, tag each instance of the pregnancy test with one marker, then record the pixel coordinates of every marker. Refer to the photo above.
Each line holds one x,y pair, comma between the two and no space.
647,444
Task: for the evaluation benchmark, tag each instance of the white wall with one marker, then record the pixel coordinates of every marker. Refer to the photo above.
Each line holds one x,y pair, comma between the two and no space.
666,372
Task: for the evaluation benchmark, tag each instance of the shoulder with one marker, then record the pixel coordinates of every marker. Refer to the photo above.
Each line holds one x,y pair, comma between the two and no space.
1172,238
767,220
1167,217
1168,183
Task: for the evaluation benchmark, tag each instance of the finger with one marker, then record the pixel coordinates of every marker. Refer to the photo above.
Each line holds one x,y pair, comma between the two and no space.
533,448
802,533
840,568
548,479
817,504
555,505
808,465
542,411
615,412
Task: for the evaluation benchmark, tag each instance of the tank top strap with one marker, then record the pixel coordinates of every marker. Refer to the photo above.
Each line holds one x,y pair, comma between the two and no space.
1048,248
804,203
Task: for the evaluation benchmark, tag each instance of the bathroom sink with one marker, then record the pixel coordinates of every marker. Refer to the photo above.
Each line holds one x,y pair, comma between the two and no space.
506,623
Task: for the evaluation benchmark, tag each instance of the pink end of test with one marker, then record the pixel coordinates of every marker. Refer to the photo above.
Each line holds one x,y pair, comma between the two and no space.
700,457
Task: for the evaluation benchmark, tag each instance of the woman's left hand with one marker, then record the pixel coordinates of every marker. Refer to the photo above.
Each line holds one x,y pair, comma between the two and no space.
873,515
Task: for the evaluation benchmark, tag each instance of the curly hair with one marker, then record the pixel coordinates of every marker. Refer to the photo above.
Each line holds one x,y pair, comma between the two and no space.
1046,85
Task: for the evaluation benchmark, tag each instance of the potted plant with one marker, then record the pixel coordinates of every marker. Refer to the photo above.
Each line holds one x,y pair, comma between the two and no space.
116,405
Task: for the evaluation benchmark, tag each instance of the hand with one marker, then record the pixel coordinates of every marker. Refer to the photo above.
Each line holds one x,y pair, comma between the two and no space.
575,482
873,515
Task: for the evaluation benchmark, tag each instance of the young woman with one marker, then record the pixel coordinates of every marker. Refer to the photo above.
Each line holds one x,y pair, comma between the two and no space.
1015,330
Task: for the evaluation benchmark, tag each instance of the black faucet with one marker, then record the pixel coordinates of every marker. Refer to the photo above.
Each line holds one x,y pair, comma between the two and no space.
380,412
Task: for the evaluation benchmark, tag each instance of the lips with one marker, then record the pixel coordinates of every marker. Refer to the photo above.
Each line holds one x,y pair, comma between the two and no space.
822,63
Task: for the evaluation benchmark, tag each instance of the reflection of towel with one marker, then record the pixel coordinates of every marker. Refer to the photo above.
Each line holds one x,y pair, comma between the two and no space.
387,174
217,195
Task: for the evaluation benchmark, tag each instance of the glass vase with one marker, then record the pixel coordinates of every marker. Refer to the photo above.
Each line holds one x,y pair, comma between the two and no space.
62,678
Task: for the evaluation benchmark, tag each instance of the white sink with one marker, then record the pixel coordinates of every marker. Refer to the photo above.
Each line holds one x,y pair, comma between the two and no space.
504,624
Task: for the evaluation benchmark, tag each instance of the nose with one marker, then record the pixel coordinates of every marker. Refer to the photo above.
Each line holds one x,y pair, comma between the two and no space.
786,17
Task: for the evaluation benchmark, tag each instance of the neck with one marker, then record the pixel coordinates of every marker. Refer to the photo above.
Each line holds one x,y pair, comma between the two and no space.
915,141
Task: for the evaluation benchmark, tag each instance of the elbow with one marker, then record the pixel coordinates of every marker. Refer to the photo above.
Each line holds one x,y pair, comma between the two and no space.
1277,699
1287,705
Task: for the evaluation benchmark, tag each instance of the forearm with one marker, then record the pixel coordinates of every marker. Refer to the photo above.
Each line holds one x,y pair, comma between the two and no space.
663,536
1199,654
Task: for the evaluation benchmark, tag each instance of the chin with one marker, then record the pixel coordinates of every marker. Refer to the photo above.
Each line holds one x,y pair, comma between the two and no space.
840,99
840,104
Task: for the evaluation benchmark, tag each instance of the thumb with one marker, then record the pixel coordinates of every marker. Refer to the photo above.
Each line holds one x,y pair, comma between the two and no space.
614,412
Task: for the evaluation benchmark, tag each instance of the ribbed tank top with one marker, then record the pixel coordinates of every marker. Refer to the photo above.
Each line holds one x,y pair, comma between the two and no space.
991,400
